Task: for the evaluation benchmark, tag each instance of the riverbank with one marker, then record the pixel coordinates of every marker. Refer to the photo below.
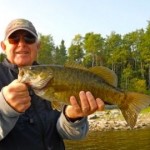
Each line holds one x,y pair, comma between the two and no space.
113,120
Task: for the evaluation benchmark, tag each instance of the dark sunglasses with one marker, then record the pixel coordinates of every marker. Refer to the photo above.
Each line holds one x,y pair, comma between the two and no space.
28,39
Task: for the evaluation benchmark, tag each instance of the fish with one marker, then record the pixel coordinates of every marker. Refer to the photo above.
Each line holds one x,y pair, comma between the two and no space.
56,83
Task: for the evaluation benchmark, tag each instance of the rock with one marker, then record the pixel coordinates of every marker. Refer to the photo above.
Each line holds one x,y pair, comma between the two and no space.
113,120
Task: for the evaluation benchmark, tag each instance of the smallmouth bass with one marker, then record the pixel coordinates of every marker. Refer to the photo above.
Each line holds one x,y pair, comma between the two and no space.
57,83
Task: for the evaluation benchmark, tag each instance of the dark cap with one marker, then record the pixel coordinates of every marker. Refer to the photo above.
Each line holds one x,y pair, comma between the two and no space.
20,24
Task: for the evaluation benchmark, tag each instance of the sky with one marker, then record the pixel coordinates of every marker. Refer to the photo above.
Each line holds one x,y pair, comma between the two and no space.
63,19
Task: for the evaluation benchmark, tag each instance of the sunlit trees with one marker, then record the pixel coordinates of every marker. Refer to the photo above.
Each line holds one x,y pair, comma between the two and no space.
75,51
93,46
60,54
47,49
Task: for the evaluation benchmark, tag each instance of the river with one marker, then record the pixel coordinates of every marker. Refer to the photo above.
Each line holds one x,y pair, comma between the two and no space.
113,140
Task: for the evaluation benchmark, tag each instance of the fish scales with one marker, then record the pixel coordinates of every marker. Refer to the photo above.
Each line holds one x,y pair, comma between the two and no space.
70,81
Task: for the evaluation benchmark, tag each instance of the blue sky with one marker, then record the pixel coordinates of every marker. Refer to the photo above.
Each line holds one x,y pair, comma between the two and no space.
63,19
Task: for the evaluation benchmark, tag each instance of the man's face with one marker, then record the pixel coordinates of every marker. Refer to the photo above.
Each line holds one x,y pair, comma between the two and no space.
21,48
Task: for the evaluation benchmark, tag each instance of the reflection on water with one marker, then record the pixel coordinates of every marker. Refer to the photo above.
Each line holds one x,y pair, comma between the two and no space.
113,140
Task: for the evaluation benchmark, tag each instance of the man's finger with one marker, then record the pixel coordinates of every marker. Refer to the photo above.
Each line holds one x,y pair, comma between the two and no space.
85,106
101,105
92,102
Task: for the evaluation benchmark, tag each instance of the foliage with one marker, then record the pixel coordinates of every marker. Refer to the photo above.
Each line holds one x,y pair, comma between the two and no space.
47,48
75,51
127,75
60,55
93,45
146,110
137,85
2,56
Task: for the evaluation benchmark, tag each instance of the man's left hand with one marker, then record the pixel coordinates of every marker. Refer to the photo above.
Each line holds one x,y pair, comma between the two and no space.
88,105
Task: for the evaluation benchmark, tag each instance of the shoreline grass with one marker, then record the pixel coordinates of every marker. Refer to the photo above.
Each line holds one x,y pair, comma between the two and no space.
146,110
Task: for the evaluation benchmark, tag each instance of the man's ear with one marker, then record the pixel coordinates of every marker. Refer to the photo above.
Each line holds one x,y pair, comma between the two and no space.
3,46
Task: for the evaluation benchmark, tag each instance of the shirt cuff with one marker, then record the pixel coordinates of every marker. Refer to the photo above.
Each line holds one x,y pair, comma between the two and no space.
80,120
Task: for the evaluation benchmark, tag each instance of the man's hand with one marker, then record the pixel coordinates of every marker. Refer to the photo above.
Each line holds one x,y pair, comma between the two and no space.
17,96
88,105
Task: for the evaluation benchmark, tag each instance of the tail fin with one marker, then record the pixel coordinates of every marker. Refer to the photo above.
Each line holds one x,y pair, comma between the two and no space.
134,103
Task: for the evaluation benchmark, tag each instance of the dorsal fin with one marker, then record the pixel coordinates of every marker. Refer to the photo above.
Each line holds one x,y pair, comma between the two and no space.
75,65
107,74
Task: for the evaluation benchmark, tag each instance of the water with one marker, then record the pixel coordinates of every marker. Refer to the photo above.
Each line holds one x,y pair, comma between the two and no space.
113,140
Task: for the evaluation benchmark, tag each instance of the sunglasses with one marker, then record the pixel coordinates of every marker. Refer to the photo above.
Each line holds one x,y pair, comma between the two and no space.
28,39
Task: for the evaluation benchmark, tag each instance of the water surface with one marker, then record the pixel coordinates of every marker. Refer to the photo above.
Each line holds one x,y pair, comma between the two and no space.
113,140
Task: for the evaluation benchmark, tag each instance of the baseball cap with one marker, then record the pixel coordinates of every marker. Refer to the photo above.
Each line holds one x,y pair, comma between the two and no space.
20,24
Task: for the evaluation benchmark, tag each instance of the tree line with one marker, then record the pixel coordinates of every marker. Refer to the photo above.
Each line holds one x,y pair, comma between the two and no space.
127,55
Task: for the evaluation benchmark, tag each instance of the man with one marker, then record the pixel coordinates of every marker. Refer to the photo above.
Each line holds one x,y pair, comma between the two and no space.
27,122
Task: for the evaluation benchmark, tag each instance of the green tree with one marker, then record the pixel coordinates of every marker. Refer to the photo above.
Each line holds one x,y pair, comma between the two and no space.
60,54
131,43
93,45
75,51
47,49
138,85
126,77
145,54
115,54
